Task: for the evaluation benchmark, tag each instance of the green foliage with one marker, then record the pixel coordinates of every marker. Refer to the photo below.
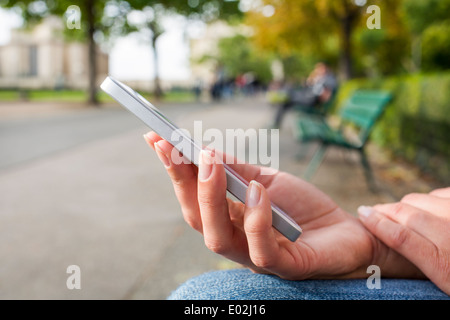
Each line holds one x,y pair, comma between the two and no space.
416,124
436,47
297,67
110,16
336,31
429,22
237,56
106,19
420,14
380,53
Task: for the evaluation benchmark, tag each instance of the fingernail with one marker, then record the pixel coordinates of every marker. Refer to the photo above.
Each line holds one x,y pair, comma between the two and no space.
253,194
147,136
148,139
205,165
365,211
161,155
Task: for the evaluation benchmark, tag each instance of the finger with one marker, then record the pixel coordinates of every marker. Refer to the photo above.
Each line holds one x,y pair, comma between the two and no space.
442,192
245,170
262,243
236,210
414,247
433,204
184,180
280,184
422,222
211,189
151,138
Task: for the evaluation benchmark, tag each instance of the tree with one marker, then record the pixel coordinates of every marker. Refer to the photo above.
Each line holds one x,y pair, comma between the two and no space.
320,28
429,24
110,17
383,51
309,25
436,47
150,20
238,56
147,22
94,19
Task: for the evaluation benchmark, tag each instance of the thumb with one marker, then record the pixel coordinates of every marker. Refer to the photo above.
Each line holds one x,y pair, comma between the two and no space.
262,243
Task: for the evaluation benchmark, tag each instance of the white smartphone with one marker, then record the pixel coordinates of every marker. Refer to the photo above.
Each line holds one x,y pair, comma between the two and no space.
153,118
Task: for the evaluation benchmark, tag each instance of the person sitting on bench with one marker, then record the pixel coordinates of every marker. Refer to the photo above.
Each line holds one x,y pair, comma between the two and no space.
320,85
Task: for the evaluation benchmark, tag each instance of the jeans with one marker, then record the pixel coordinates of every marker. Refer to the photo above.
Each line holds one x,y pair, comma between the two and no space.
242,284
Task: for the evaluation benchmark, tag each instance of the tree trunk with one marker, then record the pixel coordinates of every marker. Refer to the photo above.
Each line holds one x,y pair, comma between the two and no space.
157,91
92,56
348,19
346,53
416,53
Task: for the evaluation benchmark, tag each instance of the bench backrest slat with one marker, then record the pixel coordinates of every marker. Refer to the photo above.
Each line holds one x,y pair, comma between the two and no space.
363,109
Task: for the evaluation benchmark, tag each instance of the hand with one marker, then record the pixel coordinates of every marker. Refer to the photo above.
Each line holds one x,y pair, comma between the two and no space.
417,227
334,243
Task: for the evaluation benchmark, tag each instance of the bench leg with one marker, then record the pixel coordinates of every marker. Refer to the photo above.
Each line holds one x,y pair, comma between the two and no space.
303,150
368,171
315,162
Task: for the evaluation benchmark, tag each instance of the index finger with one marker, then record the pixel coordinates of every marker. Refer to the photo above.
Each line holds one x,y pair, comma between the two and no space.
247,171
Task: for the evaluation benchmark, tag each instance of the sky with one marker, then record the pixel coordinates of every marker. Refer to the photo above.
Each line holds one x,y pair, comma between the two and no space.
131,57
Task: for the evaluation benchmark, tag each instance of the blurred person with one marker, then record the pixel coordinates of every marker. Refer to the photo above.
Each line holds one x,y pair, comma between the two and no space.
198,88
409,240
320,86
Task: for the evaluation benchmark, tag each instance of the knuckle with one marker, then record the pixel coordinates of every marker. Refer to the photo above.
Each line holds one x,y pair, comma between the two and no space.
194,223
255,230
179,185
205,201
446,272
411,197
216,246
399,237
375,225
397,208
263,262
443,263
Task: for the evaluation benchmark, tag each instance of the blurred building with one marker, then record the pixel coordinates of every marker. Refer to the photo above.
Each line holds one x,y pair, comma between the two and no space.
41,58
206,45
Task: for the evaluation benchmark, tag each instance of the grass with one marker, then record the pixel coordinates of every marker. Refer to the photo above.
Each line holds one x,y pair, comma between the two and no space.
57,95
8,95
81,96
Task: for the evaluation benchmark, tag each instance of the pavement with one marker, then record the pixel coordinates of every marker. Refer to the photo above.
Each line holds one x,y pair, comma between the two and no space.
79,186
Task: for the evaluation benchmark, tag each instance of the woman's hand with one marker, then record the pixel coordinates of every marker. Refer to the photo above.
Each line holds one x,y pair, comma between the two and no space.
417,227
334,243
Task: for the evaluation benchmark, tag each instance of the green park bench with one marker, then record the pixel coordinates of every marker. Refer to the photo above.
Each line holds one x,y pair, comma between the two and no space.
360,113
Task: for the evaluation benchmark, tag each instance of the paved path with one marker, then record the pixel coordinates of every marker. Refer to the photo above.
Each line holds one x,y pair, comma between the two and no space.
82,188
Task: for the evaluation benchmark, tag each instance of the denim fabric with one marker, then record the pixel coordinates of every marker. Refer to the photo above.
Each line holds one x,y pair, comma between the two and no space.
243,284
